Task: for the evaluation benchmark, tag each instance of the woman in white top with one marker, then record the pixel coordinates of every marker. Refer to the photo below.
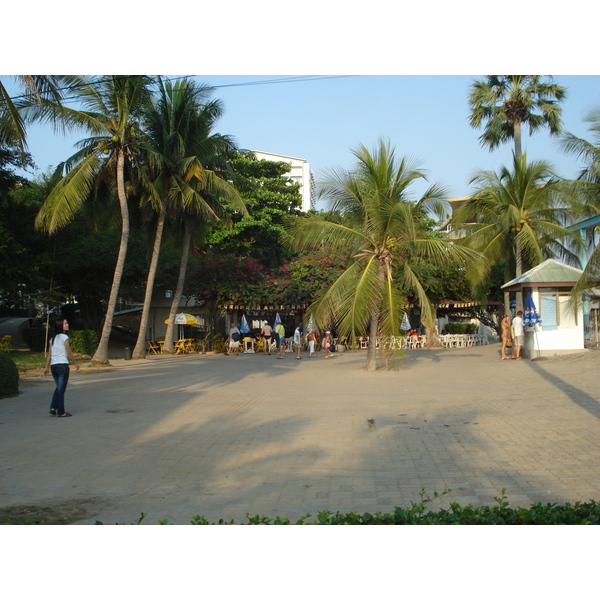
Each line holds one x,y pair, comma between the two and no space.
59,353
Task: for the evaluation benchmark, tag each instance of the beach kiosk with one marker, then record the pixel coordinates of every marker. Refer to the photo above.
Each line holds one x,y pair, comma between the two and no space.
561,330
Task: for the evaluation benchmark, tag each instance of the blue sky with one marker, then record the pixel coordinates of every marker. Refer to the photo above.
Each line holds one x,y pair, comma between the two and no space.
425,117
409,67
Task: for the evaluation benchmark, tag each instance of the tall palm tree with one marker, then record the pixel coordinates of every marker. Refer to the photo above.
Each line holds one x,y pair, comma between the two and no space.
111,109
505,102
381,237
179,142
518,216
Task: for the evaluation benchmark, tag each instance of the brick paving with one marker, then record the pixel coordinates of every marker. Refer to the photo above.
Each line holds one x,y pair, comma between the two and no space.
224,436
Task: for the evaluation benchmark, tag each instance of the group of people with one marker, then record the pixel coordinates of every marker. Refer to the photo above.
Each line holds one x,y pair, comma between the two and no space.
278,336
514,335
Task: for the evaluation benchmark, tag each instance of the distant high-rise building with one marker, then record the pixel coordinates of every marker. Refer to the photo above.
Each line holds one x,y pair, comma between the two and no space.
299,173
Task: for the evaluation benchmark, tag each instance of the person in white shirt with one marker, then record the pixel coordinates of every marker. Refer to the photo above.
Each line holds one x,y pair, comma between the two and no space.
234,340
519,333
59,353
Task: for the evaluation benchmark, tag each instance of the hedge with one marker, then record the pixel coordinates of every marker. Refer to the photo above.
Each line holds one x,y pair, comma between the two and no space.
81,341
9,377
580,513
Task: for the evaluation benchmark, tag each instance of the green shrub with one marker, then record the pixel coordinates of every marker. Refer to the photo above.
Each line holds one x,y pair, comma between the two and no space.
580,513
83,341
35,338
9,377
461,328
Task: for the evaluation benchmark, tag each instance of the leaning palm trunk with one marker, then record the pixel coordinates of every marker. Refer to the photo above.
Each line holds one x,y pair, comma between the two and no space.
101,354
140,347
170,335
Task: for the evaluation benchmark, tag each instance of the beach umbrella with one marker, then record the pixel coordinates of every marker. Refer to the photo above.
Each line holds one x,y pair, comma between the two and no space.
405,323
244,325
184,319
531,317
311,324
277,320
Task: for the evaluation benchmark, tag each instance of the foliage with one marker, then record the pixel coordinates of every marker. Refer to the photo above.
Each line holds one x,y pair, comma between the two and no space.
383,234
227,279
271,198
590,153
25,254
9,377
11,158
579,513
35,338
505,102
518,216
83,342
460,328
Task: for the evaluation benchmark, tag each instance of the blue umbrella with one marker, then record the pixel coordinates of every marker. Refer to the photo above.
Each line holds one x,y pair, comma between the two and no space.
277,320
244,325
311,324
531,317
405,323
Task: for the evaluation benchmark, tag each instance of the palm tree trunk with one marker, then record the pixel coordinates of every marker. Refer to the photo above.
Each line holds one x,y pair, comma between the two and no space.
374,325
517,131
371,348
170,335
507,278
140,347
519,272
101,354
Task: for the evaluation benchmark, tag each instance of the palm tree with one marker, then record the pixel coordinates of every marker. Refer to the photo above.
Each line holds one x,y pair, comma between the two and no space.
590,153
382,236
519,216
111,109
505,102
36,88
179,142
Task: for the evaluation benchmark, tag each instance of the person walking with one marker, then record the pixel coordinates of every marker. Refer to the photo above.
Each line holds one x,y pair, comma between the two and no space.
326,343
297,343
266,332
519,332
505,335
280,330
234,340
59,353
311,336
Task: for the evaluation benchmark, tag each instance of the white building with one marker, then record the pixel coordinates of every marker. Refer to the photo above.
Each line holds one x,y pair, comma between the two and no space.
561,329
299,173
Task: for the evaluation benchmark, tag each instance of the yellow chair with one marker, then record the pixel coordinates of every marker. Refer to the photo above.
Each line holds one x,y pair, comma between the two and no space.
153,347
5,343
179,346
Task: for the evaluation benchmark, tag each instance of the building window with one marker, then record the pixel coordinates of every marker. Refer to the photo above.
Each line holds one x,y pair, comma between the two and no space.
555,310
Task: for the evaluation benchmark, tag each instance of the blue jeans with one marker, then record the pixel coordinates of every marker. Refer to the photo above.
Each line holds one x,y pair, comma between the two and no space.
61,378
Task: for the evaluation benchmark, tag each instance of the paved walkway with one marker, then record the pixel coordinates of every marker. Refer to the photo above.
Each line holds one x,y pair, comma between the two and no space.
224,436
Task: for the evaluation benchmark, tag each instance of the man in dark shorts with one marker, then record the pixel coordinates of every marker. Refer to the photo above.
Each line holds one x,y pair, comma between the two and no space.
266,332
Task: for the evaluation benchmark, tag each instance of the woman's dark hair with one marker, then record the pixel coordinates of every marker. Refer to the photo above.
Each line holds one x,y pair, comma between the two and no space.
58,328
